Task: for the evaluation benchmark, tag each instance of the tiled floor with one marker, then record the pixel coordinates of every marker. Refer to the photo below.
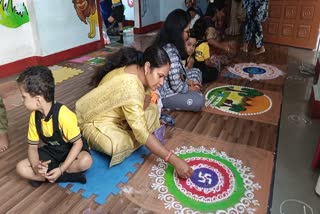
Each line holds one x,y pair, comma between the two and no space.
294,178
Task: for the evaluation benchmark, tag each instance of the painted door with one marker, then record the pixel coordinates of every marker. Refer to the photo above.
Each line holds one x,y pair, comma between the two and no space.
293,22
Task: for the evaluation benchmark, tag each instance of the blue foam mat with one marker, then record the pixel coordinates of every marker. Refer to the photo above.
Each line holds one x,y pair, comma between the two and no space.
102,180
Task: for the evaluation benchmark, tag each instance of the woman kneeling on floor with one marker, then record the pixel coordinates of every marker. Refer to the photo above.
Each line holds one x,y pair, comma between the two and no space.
116,117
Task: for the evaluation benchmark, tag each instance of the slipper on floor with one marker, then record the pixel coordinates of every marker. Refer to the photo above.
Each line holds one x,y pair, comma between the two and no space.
167,119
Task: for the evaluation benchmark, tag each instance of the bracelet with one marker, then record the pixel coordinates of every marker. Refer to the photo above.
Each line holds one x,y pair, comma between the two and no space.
60,170
168,156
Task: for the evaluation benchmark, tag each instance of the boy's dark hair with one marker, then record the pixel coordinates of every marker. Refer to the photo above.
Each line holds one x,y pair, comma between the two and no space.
154,54
172,29
193,34
191,9
38,80
199,29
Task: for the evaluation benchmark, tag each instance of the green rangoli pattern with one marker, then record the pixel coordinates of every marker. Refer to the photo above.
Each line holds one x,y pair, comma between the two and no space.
219,184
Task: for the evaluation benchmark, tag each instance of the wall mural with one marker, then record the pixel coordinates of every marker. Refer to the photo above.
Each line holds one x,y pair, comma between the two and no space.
87,13
13,16
130,3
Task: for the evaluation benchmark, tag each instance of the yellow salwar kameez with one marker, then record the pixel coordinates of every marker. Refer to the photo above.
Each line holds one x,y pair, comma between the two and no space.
112,118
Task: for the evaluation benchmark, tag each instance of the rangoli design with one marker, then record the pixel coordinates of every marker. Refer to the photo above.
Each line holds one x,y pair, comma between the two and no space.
238,100
253,71
220,184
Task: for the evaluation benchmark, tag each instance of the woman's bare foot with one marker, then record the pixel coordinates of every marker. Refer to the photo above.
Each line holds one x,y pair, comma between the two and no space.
259,51
4,142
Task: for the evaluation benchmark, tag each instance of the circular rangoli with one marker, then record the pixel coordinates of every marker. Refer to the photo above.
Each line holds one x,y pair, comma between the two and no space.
253,71
238,100
219,183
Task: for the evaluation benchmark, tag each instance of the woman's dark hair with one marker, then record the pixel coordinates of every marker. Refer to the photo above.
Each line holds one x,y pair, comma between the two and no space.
155,55
38,80
199,29
172,29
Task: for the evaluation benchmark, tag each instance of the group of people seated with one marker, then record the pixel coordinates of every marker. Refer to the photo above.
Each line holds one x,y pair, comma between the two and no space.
231,17
119,115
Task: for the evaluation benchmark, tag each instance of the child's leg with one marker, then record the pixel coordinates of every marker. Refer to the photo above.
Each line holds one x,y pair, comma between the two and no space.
25,170
81,163
74,173
110,19
4,141
119,17
120,32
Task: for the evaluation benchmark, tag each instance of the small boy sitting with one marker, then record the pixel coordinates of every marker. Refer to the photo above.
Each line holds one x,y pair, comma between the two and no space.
65,155
194,75
203,60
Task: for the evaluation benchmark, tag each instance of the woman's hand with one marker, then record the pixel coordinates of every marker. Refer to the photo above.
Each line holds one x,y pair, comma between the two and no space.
183,170
194,86
230,48
190,62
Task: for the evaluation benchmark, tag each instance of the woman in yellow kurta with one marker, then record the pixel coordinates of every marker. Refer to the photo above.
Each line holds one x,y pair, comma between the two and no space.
116,117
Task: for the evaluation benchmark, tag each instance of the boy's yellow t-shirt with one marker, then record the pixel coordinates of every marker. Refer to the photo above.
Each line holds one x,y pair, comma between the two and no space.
116,1
202,52
68,125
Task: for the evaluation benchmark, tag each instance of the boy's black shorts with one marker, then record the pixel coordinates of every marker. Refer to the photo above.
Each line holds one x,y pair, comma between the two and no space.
118,13
58,154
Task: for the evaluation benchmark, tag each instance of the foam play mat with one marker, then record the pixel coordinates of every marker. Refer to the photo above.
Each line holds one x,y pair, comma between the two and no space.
227,178
96,60
102,180
81,59
243,101
61,73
